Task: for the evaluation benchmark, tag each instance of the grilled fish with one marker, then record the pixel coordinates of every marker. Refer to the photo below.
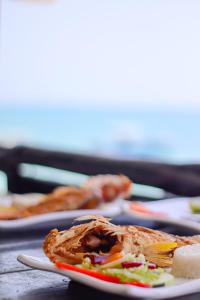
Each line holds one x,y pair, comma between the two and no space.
100,237
97,189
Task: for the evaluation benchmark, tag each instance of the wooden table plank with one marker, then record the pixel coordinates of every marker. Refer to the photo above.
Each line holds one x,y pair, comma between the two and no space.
35,284
9,263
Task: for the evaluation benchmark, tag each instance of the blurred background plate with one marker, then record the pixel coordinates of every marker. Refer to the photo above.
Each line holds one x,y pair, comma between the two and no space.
58,218
171,211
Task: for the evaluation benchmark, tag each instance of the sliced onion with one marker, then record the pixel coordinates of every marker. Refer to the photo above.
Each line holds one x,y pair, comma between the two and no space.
97,260
131,264
152,266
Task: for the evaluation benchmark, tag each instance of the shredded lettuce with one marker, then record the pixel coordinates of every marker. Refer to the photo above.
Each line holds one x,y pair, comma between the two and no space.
126,258
141,274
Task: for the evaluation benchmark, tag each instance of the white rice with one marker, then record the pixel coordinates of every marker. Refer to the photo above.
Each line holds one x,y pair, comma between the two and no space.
186,262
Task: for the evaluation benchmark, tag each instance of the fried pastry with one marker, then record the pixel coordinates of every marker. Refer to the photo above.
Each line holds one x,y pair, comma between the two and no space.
100,237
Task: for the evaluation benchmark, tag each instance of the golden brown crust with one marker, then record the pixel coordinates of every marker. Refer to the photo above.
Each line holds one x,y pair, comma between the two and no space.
64,198
109,187
187,240
49,243
9,213
69,245
94,191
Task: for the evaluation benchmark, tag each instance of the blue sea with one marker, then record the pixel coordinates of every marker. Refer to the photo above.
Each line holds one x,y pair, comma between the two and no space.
128,133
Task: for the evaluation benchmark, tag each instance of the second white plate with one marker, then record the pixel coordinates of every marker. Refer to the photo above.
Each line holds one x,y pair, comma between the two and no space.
174,211
59,218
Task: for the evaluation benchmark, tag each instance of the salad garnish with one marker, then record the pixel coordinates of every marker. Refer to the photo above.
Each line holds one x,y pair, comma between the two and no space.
122,269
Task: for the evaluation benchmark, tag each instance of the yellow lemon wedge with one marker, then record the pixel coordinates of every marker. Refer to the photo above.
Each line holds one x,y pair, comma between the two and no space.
163,247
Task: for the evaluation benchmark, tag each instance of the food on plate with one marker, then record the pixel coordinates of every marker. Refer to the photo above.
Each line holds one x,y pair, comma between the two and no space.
100,238
122,268
109,187
8,213
140,209
21,200
68,199
186,261
96,190
62,198
195,205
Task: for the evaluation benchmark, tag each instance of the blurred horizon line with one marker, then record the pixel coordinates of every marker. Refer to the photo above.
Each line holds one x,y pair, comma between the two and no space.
114,106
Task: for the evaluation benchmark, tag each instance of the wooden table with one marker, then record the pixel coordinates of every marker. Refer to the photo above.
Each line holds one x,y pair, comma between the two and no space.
20,282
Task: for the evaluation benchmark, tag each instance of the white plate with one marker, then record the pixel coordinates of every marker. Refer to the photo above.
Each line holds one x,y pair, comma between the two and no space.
181,287
176,209
59,218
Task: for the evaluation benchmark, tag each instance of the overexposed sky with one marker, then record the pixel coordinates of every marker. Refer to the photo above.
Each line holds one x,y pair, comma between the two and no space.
110,51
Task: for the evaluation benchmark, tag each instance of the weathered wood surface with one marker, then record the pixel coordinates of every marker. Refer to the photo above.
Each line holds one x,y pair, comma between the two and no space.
18,282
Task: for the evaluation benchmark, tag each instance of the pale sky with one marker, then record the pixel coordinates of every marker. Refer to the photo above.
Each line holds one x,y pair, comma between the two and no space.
109,51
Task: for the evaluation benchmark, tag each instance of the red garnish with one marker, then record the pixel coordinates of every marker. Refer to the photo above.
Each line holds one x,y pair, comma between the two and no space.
139,208
152,266
131,264
91,273
98,275
139,284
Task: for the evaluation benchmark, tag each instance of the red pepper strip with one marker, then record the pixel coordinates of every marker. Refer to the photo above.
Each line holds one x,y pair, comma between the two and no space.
91,273
141,209
139,284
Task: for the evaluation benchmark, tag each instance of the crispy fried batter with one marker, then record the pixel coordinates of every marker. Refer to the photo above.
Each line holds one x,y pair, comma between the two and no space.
90,238
109,187
9,213
70,245
95,190
62,198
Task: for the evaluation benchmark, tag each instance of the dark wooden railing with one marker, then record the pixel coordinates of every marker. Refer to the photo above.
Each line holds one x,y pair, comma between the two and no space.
177,179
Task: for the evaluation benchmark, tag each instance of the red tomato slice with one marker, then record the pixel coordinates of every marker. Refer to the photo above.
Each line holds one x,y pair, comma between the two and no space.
98,275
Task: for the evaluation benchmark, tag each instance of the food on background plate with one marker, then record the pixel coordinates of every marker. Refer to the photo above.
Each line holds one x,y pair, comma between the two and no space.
100,238
186,261
8,213
21,200
195,205
96,190
109,187
62,198
140,209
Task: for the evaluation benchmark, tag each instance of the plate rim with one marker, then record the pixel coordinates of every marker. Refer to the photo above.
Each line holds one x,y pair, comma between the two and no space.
184,288
194,225
110,210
